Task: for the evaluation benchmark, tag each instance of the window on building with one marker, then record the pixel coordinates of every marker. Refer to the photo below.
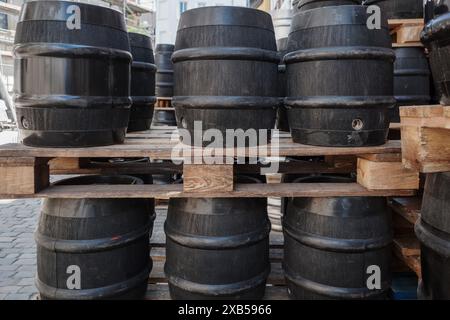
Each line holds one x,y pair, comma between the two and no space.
183,6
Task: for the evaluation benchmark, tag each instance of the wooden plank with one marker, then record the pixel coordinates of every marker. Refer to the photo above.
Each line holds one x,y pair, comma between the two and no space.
413,262
240,191
387,157
205,178
408,208
407,246
163,151
160,291
375,175
23,176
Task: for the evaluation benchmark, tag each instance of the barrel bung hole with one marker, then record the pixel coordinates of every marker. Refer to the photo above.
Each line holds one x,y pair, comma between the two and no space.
357,124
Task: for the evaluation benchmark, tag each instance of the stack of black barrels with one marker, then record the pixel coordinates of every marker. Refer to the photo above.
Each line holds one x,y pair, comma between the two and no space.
81,80
80,85
164,84
433,228
86,84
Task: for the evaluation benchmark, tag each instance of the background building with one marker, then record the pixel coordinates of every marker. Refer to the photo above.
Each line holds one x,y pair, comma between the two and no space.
168,13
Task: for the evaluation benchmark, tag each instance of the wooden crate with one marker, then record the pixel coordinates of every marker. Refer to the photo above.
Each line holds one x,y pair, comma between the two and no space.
202,179
426,138
406,246
406,32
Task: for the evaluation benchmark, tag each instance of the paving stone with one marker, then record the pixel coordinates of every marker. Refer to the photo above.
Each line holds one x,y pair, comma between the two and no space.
18,296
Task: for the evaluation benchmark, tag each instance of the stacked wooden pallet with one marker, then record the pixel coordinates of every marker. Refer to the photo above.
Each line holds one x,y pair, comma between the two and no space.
406,32
26,170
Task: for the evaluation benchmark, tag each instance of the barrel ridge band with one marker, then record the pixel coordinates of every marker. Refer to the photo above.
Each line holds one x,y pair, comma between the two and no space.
94,293
222,242
68,51
231,102
56,11
143,65
335,292
340,101
23,100
144,99
411,72
337,245
92,245
427,235
226,53
217,289
340,53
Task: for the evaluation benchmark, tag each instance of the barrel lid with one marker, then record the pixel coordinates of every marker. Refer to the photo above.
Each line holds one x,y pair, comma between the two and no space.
140,40
63,10
164,47
370,2
225,16
332,16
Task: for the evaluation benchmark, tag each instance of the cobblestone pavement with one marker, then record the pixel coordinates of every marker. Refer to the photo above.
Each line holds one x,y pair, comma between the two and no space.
18,220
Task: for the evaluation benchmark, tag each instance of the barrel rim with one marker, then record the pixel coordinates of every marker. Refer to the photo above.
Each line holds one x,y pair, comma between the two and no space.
226,53
222,19
109,179
428,236
115,289
332,291
341,16
436,30
340,53
228,102
114,14
217,289
381,102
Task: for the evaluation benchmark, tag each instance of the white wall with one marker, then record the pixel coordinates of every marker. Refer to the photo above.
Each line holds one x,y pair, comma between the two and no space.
168,14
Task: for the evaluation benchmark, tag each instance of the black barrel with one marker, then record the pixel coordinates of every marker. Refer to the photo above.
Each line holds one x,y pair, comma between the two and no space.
436,37
303,5
339,78
433,231
398,9
129,165
226,68
411,79
71,85
164,117
332,243
217,248
164,73
94,248
142,87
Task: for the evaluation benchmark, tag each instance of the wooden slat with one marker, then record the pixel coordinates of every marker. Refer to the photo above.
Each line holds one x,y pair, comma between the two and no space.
241,191
412,261
163,151
208,178
407,246
23,176
408,208
161,292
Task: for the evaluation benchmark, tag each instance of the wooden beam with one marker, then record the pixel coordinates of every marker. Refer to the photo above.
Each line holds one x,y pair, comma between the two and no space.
206,178
408,208
9,8
240,191
380,175
23,176
426,138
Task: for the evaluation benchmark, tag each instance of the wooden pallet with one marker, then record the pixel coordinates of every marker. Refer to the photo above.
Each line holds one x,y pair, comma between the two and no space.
426,138
406,32
162,102
406,246
26,170
158,288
